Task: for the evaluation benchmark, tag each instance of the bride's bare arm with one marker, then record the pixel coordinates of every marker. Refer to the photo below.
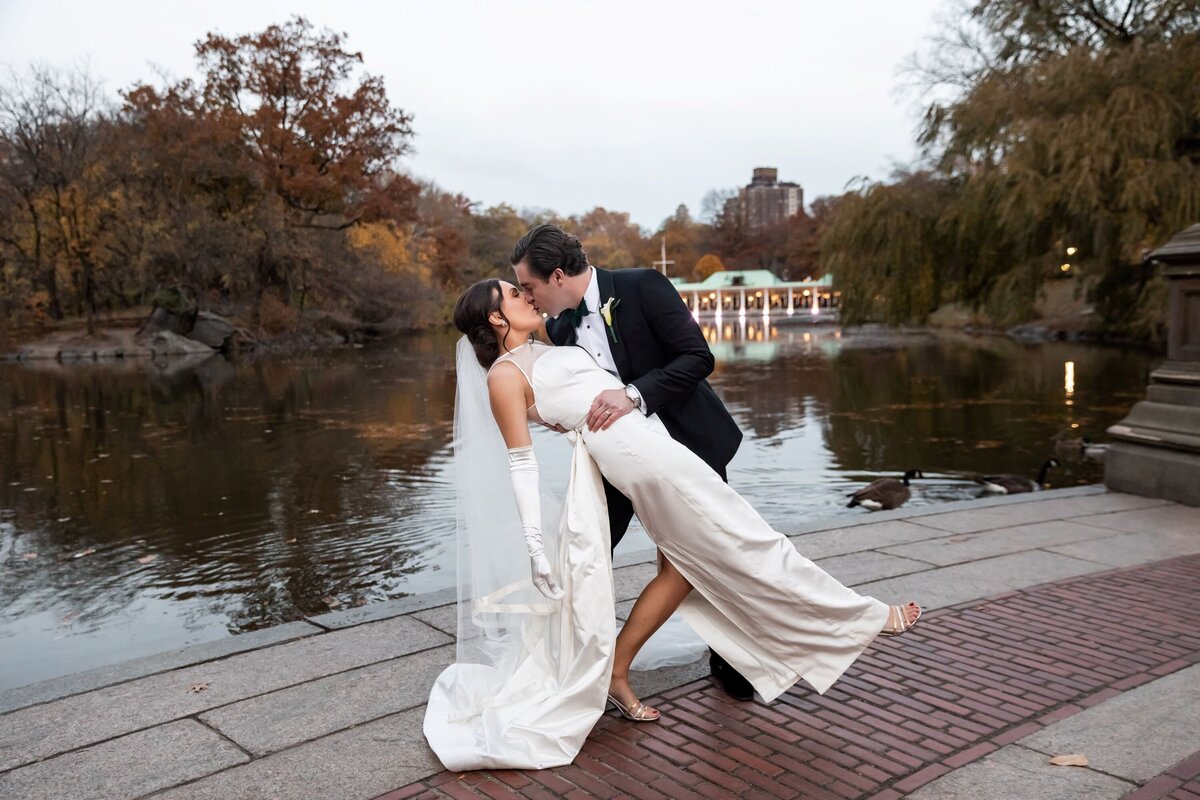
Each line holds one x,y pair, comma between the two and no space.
508,393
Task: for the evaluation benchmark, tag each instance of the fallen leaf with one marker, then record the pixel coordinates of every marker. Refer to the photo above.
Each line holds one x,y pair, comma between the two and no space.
332,602
290,541
1070,760
83,553
147,559
196,688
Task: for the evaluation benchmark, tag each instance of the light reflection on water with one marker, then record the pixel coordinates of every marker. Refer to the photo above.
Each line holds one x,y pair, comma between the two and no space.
147,507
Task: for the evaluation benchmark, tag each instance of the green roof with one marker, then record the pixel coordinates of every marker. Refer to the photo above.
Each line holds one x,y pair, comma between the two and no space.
749,279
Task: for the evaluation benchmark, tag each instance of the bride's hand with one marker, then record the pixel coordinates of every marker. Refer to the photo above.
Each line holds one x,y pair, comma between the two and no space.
539,568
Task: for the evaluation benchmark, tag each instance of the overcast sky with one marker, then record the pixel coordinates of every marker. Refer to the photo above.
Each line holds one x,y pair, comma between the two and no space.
634,106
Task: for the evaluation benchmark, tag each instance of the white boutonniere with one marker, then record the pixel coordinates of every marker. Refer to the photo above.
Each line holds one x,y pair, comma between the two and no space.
606,312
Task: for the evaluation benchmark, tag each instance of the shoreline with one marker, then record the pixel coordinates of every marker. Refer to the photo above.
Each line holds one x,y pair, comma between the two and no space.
109,345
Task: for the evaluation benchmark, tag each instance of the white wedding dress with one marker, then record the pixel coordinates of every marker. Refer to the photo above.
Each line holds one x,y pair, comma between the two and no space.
771,613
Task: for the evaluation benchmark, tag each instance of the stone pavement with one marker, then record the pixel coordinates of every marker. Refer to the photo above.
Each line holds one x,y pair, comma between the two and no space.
1060,622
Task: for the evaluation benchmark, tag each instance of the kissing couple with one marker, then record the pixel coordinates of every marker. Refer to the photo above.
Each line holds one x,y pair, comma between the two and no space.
538,655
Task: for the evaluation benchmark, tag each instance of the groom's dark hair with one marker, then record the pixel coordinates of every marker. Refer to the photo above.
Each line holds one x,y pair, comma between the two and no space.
548,247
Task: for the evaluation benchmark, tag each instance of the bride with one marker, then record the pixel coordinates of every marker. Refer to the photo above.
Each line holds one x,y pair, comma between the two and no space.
538,654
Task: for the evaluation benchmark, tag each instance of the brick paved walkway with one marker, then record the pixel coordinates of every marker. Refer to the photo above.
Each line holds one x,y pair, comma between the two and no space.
1180,782
968,680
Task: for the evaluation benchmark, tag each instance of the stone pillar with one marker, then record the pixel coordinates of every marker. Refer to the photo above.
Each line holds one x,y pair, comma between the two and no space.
1156,449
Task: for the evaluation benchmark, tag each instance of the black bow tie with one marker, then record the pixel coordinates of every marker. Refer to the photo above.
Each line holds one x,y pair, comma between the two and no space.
576,315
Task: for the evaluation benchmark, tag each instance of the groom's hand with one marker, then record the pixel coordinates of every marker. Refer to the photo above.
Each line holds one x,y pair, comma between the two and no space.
608,407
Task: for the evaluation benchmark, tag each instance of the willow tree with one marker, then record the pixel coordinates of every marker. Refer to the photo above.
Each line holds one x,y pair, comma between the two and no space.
1057,125
883,244
1090,141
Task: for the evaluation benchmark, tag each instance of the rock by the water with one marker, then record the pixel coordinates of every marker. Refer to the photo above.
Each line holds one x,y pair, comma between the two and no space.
166,343
164,319
212,330
120,343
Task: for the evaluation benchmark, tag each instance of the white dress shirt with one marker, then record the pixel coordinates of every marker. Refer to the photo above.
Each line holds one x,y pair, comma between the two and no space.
592,334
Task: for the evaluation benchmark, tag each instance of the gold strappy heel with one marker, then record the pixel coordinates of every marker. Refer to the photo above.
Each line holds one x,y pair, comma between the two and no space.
901,623
638,712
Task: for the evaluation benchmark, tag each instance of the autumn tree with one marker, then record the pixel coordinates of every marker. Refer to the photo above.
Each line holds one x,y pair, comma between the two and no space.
321,141
682,236
28,114
197,185
706,266
609,238
59,141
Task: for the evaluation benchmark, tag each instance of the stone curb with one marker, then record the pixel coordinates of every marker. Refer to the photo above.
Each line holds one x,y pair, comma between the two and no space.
78,683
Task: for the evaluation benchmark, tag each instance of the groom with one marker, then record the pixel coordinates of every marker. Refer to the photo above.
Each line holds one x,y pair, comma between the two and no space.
636,326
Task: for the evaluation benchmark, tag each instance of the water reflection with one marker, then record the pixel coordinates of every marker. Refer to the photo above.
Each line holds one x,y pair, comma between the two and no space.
225,497
826,412
144,507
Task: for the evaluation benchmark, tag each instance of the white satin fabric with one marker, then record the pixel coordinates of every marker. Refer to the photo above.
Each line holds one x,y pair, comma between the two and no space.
527,698
771,613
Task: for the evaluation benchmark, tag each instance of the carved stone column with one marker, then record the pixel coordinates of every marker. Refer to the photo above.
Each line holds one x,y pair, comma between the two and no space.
1156,449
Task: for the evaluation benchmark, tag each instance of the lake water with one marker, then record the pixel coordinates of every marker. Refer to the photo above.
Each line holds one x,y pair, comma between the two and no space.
145,507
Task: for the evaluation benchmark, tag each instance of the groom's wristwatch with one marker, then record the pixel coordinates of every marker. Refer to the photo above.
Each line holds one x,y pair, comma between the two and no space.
634,395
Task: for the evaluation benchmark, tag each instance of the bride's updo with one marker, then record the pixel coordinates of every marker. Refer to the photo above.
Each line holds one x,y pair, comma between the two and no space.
471,314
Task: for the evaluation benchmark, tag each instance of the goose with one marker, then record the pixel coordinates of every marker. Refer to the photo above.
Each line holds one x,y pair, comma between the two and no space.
1080,445
1015,484
884,493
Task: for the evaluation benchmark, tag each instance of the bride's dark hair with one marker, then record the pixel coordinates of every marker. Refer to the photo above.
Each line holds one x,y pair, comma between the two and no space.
471,314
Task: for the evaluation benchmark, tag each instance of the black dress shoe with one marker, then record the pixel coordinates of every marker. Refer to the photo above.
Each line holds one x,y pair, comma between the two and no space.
729,678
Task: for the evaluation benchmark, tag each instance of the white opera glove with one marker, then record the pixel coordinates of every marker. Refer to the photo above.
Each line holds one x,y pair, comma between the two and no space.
522,464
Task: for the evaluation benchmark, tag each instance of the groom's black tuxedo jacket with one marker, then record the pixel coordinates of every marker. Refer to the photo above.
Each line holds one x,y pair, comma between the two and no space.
661,350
